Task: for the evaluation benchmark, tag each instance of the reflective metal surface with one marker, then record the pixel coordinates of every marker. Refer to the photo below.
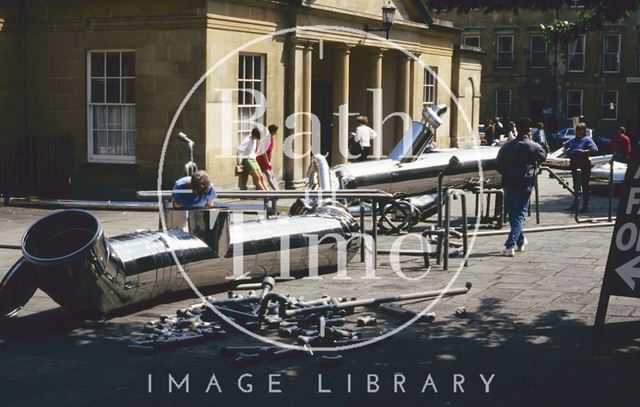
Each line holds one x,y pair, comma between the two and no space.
67,256
413,167
600,173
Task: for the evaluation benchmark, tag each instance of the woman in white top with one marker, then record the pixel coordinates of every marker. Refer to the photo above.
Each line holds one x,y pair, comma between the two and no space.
363,136
247,152
513,133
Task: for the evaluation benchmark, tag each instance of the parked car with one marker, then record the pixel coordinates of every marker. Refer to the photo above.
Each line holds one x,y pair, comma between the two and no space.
558,138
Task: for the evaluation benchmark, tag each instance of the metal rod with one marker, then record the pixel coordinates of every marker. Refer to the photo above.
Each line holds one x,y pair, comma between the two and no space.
537,198
559,179
380,300
10,246
362,245
374,218
546,228
260,195
447,227
610,189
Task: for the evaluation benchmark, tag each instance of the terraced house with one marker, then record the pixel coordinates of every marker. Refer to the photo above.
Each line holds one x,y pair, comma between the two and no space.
89,89
596,75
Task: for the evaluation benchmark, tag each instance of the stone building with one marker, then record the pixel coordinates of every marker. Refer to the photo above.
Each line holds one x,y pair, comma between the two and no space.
597,75
109,76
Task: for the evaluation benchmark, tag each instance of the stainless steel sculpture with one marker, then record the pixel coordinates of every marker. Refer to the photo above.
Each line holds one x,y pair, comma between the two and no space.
67,256
413,166
601,167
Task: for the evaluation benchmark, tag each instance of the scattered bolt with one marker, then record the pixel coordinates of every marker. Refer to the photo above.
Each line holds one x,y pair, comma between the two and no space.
460,312
367,320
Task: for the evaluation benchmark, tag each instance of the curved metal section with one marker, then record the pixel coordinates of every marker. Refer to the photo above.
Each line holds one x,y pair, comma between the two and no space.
413,167
420,176
16,288
67,256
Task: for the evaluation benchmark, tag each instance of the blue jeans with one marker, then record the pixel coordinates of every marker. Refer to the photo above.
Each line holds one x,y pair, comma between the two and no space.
517,204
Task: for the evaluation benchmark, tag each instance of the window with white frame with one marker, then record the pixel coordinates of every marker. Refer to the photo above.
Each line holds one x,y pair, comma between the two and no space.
537,52
503,103
505,51
577,54
430,86
472,41
111,112
251,73
611,53
574,103
609,105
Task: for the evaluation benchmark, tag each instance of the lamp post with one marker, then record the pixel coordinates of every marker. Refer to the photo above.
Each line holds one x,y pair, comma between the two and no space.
388,17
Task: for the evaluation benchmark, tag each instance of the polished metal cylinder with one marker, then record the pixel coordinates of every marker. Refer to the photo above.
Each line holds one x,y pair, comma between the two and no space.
67,256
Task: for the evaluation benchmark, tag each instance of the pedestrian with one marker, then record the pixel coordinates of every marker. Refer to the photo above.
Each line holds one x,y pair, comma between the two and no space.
512,132
363,136
499,128
538,136
518,162
247,153
193,192
578,149
621,145
264,160
489,132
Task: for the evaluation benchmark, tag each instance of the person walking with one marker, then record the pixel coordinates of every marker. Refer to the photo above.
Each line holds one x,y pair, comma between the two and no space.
489,132
538,136
247,153
363,136
518,162
264,160
578,149
621,144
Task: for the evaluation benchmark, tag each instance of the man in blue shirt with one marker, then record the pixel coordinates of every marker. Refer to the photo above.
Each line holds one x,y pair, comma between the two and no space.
517,162
193,192
578,149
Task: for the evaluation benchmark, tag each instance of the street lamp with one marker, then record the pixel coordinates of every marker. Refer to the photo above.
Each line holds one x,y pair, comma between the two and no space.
388,16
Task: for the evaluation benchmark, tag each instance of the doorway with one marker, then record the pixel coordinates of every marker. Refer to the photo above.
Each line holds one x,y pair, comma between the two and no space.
322,108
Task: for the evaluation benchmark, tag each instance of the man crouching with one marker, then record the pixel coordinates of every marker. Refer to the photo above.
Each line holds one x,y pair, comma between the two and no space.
193,192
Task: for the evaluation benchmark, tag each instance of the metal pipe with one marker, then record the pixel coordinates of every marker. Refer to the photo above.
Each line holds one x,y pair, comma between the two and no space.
10,246
537,197
67,256
610,189
375,301
546,229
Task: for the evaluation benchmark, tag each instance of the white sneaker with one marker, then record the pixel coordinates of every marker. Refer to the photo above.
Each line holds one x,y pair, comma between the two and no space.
523,247
509,252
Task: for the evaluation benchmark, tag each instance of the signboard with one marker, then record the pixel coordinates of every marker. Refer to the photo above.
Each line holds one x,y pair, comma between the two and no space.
622,273
633,79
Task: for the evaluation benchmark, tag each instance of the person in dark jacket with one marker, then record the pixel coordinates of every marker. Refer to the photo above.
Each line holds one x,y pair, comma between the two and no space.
518,162
578,149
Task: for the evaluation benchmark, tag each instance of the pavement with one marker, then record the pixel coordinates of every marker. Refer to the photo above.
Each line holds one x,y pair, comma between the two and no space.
527,338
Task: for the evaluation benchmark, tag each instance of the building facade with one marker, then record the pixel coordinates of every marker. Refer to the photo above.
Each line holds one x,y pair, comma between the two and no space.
596,75
112,77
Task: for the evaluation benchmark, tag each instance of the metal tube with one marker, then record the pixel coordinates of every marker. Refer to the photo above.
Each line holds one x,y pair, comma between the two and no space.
362,245
610,189
447,227
537,197
376,301
559,179
546,229
66,255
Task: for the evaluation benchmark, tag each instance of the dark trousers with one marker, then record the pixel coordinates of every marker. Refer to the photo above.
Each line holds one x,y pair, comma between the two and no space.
364,153
581,182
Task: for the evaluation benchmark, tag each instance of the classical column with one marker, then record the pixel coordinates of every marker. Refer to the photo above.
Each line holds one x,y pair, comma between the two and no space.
375,104
294,86
306,106
403,97
340,145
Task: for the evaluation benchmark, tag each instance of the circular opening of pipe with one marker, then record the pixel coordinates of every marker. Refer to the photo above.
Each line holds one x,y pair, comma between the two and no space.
59,237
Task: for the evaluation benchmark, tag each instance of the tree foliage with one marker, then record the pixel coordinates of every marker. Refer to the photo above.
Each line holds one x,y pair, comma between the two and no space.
592,16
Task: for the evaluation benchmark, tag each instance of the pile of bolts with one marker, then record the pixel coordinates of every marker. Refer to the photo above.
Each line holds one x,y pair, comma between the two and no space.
310,323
